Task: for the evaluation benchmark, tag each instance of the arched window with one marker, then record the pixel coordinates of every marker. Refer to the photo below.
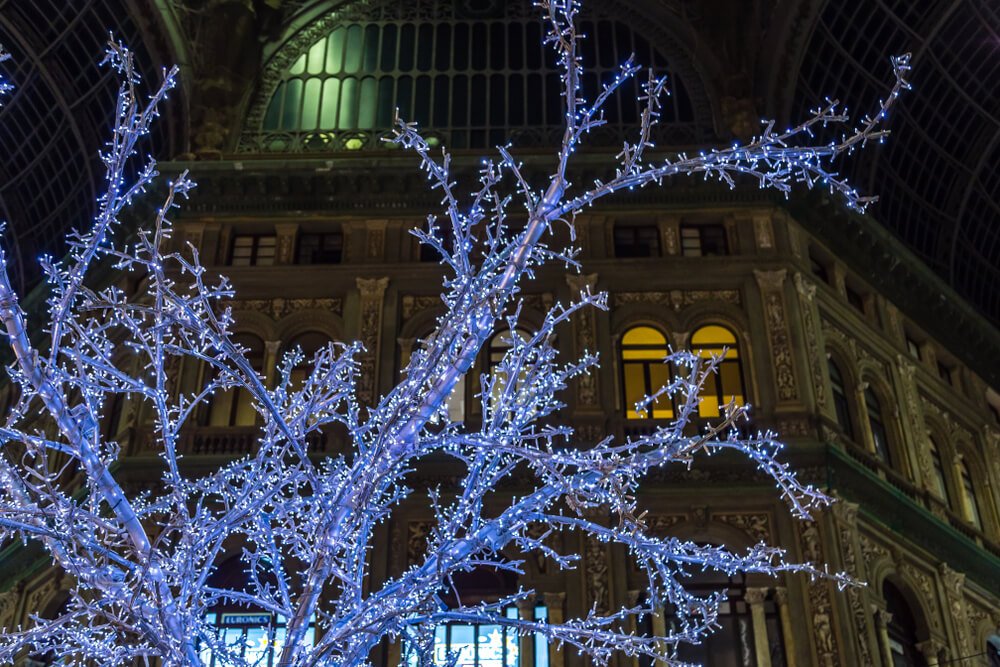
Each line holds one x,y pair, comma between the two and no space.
644,372
876,420
234,407
471,76
972,513
726,384
841,405
732,643
902,629
310,343
939,482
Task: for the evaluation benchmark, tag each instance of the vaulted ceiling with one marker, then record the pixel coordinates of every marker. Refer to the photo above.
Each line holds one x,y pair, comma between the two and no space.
938,176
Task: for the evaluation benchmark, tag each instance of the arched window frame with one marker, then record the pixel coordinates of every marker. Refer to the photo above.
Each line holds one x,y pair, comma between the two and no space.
689,105
495,349
709,406
941,485
970,483
904,631
879,426
843,403
648,360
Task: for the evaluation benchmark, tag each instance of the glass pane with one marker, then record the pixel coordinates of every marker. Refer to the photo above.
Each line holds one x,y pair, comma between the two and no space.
348,118
366,114
311,103
335,51
659,376
331,100
713,335
316,57
635,389
353,51
644,336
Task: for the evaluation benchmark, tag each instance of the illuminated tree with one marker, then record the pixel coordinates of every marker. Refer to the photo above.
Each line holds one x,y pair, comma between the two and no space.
141,564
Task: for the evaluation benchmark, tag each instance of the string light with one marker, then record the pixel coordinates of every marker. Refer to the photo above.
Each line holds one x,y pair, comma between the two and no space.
307,524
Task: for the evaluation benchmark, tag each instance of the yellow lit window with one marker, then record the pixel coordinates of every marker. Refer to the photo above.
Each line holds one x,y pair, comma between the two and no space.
972,513
726,384
644,372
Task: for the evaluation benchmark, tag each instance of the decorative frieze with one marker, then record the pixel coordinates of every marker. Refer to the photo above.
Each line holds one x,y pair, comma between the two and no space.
755,525
677,299
279,307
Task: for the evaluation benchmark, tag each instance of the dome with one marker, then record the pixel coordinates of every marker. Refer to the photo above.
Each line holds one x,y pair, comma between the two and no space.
938,177
58,118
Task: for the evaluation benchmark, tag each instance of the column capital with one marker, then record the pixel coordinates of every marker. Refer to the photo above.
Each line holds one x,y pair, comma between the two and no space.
755,596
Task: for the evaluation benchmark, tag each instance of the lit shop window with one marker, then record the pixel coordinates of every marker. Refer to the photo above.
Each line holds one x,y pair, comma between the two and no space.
256,638
483,644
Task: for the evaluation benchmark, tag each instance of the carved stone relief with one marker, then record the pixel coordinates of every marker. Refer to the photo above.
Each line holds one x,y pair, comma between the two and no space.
676,299
372,295
756,525
375,241
585,338
278,308
596,573
807,291
763,232
819,597
417,534
771,287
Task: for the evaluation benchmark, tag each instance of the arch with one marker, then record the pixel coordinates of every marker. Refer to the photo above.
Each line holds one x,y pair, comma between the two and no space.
878,409
641,353
727,384
310,319
254,322
907,625
331,82
972,480
840,392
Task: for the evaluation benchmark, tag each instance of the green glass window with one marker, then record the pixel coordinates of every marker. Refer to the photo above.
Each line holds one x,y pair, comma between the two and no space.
470,78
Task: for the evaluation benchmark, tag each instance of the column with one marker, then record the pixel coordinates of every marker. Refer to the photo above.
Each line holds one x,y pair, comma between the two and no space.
632,599
659,629
272,348
882,620
554,604
526,641
755,598
781,597
931,650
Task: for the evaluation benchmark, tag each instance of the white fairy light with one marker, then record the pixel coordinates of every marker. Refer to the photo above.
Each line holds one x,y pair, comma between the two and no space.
140,562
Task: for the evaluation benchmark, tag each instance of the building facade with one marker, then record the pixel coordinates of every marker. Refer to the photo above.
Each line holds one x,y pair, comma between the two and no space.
817,311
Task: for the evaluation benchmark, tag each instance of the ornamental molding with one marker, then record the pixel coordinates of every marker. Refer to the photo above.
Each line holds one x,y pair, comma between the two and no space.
278,308
814,350
372,297
771,285
756,525
820,606
677,299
